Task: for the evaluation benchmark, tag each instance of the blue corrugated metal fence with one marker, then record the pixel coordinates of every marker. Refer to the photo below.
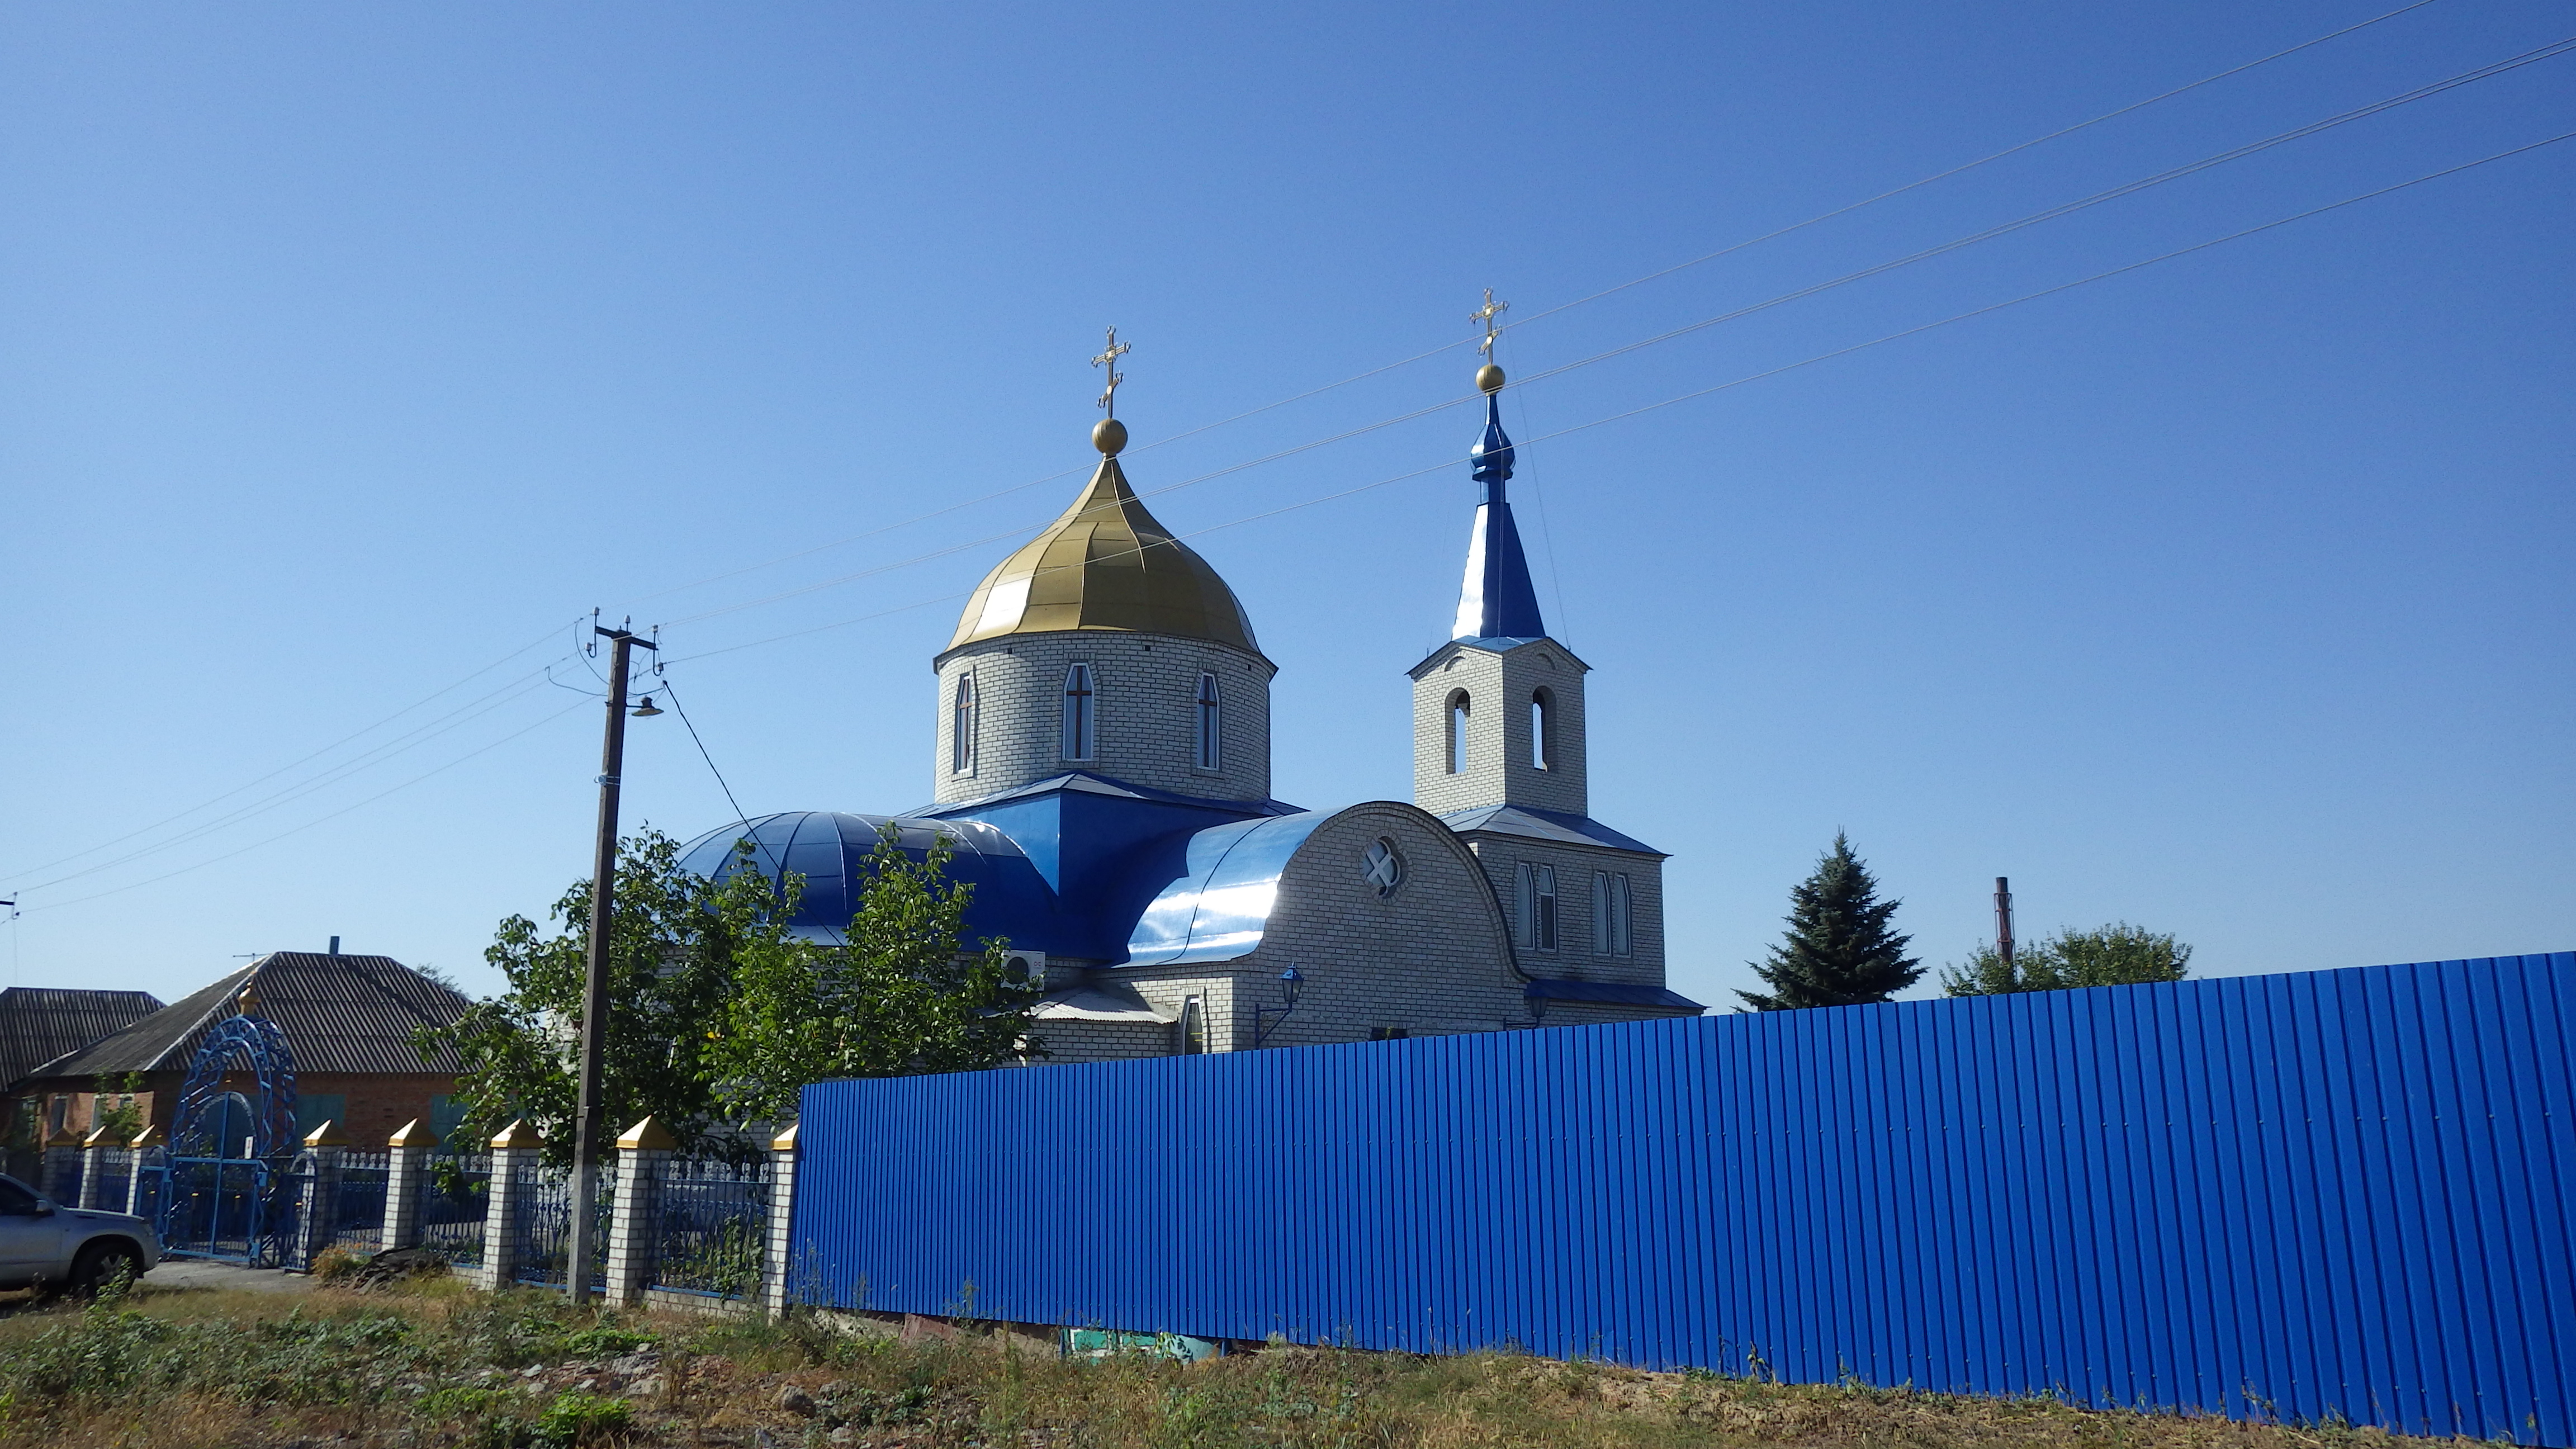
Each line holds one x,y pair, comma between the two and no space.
2343,1193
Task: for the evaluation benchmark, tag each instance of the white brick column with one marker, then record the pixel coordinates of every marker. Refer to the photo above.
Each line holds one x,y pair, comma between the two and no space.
146,1146
406,1171
514,1151
782,1206
94,1150
635,1219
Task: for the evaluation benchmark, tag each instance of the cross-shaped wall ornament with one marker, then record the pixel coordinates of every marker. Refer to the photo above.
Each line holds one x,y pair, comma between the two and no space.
1109,360
1486,314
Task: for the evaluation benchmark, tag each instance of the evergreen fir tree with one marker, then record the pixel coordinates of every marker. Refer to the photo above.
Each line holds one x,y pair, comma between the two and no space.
1839,950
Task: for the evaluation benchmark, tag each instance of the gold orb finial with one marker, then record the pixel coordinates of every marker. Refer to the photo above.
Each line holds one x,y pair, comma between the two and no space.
1109,435
1489,378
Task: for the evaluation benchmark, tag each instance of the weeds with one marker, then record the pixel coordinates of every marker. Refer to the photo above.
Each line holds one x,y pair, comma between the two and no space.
428,1366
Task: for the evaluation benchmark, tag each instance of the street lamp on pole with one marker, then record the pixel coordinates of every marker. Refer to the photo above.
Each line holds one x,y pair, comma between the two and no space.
584,1228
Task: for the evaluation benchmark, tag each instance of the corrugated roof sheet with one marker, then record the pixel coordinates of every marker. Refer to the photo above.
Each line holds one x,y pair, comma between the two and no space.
339,1013
40,1023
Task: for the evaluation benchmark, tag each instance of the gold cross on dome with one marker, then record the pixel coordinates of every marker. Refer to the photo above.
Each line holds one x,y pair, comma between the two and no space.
1109,359
1486,314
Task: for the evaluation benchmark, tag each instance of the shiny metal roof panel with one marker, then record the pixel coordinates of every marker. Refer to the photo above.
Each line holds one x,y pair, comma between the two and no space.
1221,904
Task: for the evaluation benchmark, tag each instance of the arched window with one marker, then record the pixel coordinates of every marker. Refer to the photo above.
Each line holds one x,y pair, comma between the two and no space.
1456,727
961,744
1610,929
1211,724
1542,731
1534,922
1193,1026
1081,737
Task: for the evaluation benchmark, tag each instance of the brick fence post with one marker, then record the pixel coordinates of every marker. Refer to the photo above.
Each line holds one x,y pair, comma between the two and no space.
643,1151
138,1196
514,1151
94,1150
406,1171
317,1218
62,1162
782,1235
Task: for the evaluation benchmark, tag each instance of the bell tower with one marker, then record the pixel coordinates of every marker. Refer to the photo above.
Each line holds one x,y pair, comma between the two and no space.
1498,710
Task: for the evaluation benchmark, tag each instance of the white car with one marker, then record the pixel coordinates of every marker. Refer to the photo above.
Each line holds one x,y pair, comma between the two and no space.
43,1245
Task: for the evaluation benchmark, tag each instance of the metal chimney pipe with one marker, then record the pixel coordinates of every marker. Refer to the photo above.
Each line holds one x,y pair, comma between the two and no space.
335,945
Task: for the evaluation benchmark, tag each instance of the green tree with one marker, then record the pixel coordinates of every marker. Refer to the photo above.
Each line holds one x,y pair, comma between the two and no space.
2118,954
900,998
115,1107
1839,950
677,945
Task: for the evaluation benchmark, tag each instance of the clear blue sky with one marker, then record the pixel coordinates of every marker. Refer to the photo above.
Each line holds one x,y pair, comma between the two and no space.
345,349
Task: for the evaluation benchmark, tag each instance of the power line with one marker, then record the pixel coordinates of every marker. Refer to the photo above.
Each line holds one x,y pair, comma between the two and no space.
2296,133
775,861
1973,165
1652,276
401,744
2046,214
292,764
309,824
1752,377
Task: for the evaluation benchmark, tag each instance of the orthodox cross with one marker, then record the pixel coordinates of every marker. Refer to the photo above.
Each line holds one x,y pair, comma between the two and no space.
1109,360
1486,314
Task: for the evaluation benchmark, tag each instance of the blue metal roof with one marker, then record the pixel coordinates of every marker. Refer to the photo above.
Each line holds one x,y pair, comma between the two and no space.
1497,600
1220,905
1064,865
1561,826
829,849
1617,993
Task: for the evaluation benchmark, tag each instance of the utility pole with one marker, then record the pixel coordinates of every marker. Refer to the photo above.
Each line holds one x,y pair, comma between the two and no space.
2003,926
594,992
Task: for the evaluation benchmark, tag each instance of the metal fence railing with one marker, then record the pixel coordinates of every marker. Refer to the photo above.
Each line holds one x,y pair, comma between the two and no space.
115,1172
544,1226
455,1198
358,1213
712,1231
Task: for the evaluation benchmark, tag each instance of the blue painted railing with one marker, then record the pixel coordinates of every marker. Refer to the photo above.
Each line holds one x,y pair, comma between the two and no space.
2334,1194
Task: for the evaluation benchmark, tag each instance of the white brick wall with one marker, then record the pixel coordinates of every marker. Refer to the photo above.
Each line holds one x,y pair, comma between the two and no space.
1499,768
1578,957
1145,698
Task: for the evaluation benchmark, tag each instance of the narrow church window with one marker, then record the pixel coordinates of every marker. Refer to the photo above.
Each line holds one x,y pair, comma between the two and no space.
1211,724
1193,1027
1080,736
1542,731
961,745
1457,731
1534,924
1610,932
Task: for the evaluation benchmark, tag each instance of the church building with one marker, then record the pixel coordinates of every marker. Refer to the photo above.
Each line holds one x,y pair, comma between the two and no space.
1101,773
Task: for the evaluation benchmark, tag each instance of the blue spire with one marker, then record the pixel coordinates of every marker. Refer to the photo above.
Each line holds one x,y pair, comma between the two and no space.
1497,601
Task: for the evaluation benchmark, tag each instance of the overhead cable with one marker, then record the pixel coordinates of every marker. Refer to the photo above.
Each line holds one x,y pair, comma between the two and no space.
1843,210
2046,214
1451,463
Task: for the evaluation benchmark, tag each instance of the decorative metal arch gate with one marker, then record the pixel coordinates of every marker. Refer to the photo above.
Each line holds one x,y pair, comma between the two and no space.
214,1202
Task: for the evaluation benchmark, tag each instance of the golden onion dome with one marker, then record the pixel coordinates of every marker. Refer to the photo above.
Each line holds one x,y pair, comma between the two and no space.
1105,564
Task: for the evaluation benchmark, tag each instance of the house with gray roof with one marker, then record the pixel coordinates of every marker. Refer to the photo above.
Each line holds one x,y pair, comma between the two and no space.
348,1019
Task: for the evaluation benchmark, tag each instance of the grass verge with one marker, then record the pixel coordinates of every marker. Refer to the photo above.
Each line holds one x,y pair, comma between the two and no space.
435,1364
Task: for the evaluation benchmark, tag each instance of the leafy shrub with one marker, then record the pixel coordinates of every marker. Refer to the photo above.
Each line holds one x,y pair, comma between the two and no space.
578,1418
336,1264
605,1342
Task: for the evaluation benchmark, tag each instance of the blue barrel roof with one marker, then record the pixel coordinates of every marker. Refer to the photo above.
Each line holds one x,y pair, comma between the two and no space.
829,849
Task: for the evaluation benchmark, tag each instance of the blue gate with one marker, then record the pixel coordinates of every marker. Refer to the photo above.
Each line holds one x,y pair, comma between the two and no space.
2340,1193
238,1209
